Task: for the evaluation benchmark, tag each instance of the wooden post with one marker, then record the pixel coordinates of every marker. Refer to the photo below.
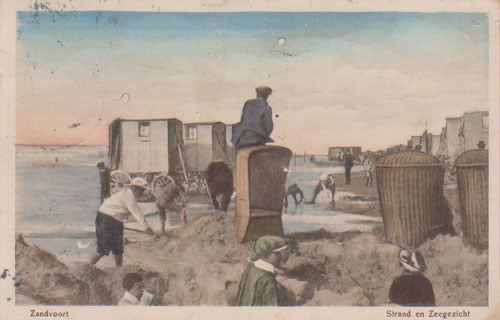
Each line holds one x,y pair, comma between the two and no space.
182,163
305,157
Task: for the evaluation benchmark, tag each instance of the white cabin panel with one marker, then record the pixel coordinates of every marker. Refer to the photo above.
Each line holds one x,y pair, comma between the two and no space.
159,146
130,146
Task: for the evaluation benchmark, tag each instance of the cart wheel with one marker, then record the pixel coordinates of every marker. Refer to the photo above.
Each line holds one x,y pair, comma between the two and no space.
159,181
119,179
203,186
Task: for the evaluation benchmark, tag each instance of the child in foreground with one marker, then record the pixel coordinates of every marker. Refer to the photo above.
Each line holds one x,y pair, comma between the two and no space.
134,291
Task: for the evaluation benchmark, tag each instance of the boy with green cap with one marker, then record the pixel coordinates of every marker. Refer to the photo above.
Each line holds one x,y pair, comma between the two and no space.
258,285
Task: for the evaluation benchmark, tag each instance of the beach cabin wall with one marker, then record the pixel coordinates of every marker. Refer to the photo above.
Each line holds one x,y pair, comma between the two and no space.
474,128
356,152
205,142
145,146
219,143
334,153
415,141
435,143
453,142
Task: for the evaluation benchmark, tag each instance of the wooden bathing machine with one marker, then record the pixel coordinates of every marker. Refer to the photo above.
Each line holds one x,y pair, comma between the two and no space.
204,142
260,187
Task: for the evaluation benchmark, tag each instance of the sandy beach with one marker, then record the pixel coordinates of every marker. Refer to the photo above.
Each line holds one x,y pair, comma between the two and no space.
202,264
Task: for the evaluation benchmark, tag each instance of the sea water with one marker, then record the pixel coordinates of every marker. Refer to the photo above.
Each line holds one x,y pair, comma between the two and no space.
58,194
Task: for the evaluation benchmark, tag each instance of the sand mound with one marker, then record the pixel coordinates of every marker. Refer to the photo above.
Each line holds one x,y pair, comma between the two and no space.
202,265
47,280
203,262
360,271
42,278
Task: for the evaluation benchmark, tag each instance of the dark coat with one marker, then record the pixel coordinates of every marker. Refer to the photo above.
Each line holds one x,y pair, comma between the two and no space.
255,126
348,162
412,289
257,288
105,175
219,178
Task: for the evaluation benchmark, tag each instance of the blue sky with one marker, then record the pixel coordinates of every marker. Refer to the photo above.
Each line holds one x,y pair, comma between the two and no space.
375,78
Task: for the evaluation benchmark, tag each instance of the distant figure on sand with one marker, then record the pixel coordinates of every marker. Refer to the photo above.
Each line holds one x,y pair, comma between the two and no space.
326,183
171,197
369,165
258,286
220,181
348,164
481,145
134,291
256,122
293,190
412,288
112,213
105,178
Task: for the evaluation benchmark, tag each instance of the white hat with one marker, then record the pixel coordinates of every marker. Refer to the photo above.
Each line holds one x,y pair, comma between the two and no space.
413,262
139,182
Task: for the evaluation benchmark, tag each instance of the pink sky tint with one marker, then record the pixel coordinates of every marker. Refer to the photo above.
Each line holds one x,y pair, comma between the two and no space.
346,91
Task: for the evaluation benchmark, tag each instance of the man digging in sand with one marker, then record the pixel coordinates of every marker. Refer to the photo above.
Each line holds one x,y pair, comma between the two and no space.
258,286
326,183
110,217
171,197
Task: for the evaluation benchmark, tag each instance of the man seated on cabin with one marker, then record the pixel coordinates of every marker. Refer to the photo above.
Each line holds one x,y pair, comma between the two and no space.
256,122
134,291
109,221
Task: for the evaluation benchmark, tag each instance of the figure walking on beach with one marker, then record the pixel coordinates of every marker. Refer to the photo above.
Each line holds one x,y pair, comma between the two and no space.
348,164
369,165
326,183
256,122
412,288
110,217
258,286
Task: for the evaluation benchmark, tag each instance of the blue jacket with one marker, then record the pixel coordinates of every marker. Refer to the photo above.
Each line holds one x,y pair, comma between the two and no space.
255,126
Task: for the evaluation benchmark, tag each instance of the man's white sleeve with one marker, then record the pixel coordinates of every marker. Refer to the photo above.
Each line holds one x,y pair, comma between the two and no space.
134,209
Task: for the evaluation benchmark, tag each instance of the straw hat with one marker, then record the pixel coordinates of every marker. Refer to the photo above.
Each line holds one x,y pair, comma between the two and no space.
139,182
412,261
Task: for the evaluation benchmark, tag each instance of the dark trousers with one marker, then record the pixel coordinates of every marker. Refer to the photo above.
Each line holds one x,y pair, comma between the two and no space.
226,198
328,187
347,175
369,178
294,196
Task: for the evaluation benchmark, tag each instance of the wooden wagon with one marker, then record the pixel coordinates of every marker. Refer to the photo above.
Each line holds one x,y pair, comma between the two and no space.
150,148
204,142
